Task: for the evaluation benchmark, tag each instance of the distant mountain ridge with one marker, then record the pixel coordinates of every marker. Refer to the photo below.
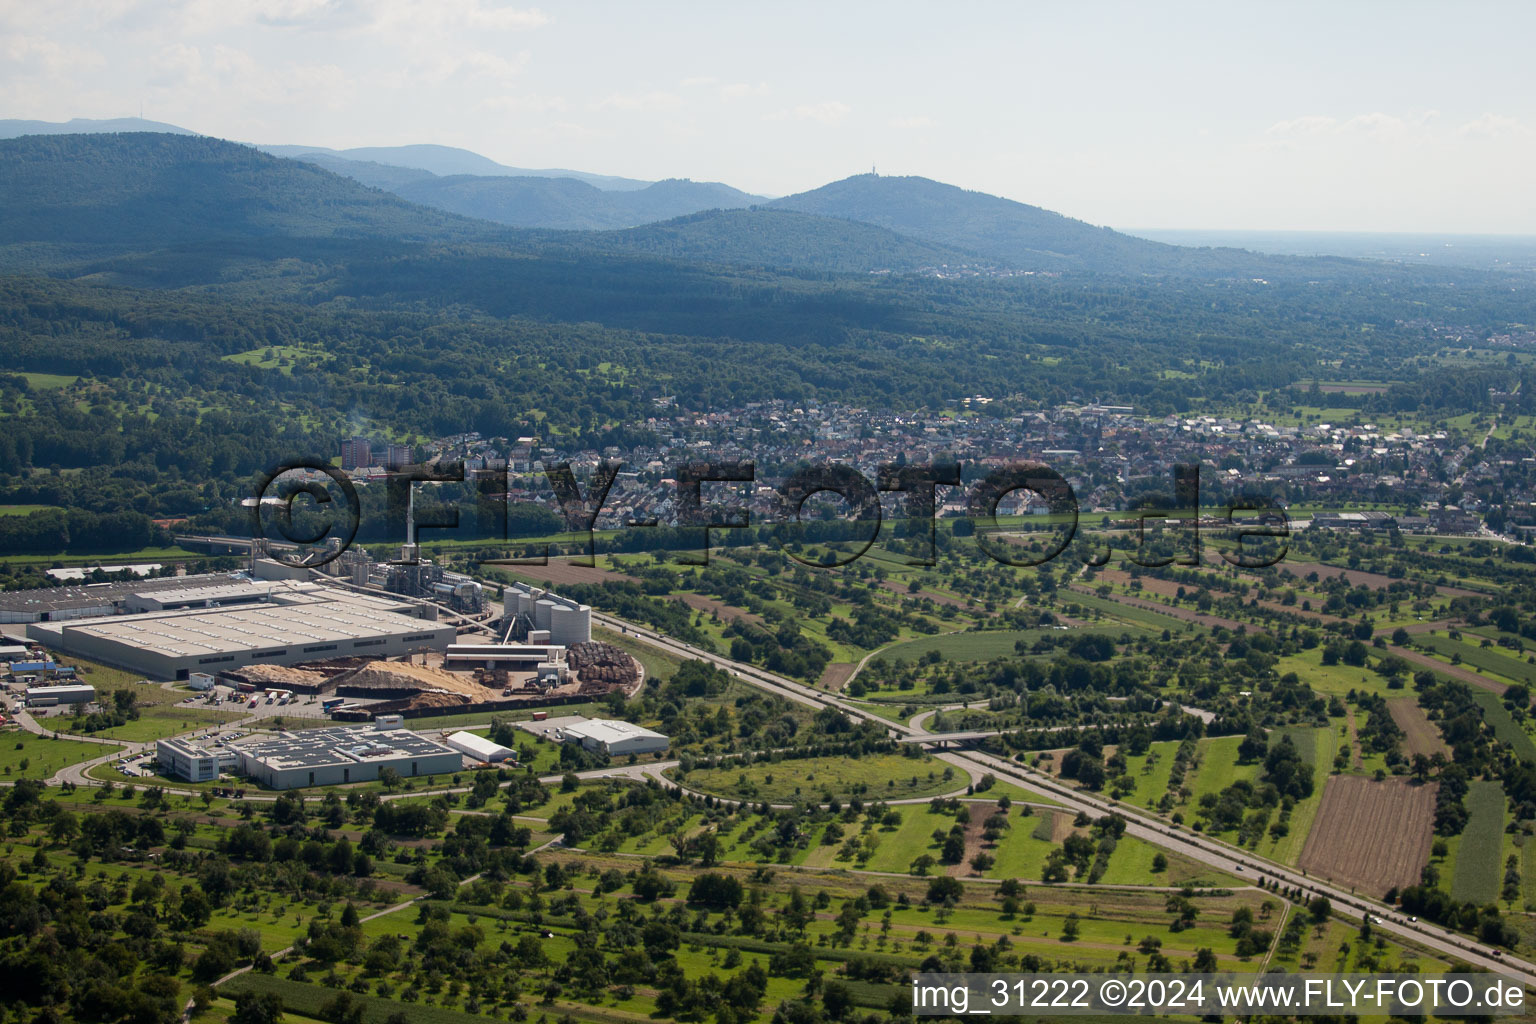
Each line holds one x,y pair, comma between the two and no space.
761,236
450,160
952,222
142,192
154,190
95,197
1012,233
564,203
12,128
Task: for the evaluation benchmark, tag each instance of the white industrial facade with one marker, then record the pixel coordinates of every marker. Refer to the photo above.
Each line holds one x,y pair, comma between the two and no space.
193,762
329,757
480,748
615,738
68,693
291,623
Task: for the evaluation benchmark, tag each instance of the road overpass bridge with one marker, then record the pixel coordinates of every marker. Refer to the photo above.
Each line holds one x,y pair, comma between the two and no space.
944,739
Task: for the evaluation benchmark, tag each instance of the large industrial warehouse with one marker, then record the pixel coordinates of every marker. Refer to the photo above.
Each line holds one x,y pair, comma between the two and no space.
272,622
54,604
328,757
614,738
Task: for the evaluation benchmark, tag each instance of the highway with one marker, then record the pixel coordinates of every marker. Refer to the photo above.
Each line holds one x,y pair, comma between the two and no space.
1199,847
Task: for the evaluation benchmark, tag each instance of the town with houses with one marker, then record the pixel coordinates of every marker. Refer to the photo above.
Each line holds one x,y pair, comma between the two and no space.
1429,482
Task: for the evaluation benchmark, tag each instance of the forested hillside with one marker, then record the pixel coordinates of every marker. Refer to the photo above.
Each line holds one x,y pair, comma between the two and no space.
145,191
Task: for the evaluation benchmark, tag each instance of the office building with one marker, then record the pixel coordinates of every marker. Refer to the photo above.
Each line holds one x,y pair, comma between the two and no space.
328,757
356,453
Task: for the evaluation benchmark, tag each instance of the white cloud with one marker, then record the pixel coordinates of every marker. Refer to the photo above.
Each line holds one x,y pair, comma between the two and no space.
1315,130
1376,124
435,16
742,90
637,101
826,112
526,103
1494,126
38,53
918,121
471,64
1310,125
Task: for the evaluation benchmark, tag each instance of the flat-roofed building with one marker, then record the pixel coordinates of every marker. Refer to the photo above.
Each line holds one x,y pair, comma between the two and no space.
329,757
615,738
184,759
67,693
523,657
294,622
480,748
54,604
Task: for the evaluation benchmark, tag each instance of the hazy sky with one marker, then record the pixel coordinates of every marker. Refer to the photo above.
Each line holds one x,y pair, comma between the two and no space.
1345,116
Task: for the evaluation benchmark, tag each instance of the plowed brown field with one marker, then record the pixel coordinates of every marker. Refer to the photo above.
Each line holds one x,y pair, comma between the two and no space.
1371,835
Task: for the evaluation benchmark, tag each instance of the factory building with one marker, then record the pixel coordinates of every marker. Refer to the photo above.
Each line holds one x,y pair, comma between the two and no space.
532,610
615,739
294,622
480,748
56,604
516,657
68,693
329,757
193,762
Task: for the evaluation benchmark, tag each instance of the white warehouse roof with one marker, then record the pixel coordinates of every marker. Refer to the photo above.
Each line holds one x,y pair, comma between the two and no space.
478,747
600,730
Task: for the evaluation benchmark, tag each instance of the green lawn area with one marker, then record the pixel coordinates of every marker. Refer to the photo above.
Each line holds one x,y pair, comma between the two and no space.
1528,871
434,723
23,510
969,646
106,679
1135,619
171,554
1317,748
1218,767
877,776
161,720
269,357
49,381
1131,864
1151,782
1333,680
44,755
900,846
891,710
1478,870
